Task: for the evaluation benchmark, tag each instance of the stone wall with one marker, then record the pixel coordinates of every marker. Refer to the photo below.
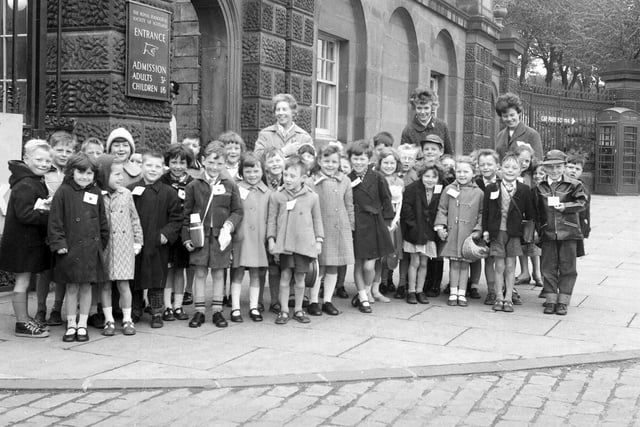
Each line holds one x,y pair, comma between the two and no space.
85,74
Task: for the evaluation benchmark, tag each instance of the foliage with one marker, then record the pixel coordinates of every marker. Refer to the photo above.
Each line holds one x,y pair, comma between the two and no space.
575,38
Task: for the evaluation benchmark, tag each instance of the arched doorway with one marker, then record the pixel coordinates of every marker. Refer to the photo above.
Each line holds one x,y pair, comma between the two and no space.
207,65
399,71
444,72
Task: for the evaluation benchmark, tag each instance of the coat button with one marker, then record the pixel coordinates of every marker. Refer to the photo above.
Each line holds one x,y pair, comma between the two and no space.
77,219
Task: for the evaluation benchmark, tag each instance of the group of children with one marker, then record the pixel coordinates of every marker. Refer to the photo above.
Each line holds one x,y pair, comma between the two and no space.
144,226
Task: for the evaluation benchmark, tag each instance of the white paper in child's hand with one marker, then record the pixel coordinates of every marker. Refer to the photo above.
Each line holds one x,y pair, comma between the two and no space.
553,201
41,205
243,193
194,218
217,189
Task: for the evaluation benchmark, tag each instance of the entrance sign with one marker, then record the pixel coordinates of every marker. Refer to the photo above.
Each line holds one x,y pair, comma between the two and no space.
148,38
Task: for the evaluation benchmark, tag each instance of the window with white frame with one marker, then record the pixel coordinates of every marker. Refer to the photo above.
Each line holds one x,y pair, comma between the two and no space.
327,87
13,58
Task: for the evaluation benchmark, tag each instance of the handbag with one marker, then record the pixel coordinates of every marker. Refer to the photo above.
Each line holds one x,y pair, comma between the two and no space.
528,230
196,228
473,251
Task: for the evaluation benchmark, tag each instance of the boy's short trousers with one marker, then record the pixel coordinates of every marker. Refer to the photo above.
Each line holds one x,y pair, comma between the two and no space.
299,263
505,246
531,250
210,255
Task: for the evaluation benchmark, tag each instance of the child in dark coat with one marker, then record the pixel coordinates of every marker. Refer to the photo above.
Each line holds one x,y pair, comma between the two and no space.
160,215
24,249
78,235
506,204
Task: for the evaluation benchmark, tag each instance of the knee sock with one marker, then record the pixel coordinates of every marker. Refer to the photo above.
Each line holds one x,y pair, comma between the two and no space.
19,301
177,300
254,296
236,289
156,299
299,298
314,292
126,314
71,321
108,314
329,286
167,297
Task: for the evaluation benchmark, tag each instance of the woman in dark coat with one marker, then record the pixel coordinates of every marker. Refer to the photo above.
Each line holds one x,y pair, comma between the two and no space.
372,211
516,133
24,250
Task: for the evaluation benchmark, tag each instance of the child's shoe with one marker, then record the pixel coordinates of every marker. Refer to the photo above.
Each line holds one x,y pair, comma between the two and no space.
128,328
42,325
55,319
433,292
561,309
156,321
275,308
197,320
283,318
422,298
314,309
168,315
179,314
109,329
462,301
30,329
498,306
219,320
330,309
549,308
490,299
341,292
515,298
301,317
41,317
255,315
411,298
507,307
187,299
401,293
96,320
474,293
82,335
381,298
236,316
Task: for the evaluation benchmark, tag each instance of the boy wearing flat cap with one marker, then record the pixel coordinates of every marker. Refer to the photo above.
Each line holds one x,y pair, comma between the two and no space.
558,200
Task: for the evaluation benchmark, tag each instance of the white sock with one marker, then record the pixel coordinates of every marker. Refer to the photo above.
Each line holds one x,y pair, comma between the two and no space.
177,300
254,295
167,297
108,314
71,322
314,292
126,314
330,281
82,320
236,289
363,295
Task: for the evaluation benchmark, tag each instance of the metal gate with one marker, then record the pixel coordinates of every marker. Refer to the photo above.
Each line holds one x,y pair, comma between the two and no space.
566,120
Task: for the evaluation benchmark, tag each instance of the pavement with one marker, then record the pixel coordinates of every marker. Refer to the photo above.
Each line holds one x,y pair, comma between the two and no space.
398,341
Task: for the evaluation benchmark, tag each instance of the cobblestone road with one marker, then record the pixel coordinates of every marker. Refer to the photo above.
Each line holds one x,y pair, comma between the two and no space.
586,395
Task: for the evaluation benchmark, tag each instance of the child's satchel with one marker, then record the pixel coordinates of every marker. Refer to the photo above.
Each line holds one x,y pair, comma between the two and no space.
196,228
528,231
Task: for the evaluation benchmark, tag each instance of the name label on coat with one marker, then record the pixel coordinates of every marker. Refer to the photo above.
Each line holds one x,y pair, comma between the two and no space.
137,191
217,189
90,198
356,182
437,189
553,201
291,204
244,193
494,195
453,193
181,194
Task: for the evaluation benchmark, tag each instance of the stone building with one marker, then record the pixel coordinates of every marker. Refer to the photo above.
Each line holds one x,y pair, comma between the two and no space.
351,64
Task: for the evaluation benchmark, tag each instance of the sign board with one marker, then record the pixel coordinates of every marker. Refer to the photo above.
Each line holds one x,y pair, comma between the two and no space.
148,39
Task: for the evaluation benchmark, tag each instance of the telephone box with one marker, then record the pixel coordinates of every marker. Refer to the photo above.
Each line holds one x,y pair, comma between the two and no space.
616,167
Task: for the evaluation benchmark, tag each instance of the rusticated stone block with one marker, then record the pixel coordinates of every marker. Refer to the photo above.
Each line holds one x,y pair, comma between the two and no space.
307,91
102,51
250,80
157,137
186,45
309,34
296,32
272,51
280,21
249,114
303,119
251,16
86,96
304,5
251,48
267,23
266,83
299,59
280,85
265,115
250,138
